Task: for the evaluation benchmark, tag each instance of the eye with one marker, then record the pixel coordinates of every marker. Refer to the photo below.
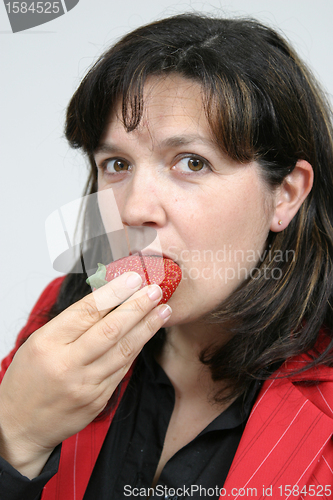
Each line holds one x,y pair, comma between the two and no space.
117,165
191,163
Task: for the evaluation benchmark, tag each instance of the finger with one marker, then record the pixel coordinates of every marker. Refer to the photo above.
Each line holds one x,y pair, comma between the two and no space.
111,329
81,316
117,360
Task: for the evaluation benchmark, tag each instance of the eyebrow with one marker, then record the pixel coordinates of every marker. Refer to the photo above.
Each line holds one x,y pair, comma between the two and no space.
105,147
170,142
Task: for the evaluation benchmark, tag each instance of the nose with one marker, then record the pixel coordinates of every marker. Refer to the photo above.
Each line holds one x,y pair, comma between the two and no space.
142,203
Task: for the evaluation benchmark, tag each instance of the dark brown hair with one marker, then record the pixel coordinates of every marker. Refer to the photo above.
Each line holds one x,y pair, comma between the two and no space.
262,104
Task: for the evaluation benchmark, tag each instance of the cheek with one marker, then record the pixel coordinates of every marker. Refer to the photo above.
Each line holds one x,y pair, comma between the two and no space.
113,193
101,184
251,212
243,218
226,231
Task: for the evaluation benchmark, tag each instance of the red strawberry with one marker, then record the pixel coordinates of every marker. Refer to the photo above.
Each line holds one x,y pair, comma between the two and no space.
152,269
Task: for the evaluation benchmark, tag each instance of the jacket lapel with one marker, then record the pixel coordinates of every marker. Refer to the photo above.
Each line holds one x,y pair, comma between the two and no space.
286,432
284,436
78,456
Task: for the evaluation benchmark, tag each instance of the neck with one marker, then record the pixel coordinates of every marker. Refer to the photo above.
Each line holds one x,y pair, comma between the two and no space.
180,359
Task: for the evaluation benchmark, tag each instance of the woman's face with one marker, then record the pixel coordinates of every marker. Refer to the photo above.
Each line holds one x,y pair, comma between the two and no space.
211,214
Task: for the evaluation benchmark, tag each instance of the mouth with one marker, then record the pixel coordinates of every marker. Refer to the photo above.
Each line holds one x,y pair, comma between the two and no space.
162,271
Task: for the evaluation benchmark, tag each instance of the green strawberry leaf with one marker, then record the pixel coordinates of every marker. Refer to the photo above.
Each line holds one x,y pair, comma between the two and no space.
98,279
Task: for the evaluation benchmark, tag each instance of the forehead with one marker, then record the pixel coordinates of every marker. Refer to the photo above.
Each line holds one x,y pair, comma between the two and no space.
176,94
171,105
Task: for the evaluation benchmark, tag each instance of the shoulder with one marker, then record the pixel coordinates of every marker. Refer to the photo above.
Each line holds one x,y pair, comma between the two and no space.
37,318
315,383
48,296
46,300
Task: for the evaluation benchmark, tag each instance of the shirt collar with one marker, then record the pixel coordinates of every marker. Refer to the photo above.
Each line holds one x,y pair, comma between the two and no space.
236,414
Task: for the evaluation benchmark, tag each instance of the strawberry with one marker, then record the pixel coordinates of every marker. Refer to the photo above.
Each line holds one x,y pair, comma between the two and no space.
152,269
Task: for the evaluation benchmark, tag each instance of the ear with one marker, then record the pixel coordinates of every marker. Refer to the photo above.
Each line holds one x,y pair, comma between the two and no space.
291,194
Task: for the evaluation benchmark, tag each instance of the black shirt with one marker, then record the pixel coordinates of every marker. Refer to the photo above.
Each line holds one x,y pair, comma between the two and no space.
130,454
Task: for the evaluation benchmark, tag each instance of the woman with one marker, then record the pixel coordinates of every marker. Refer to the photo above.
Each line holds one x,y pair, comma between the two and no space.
212,133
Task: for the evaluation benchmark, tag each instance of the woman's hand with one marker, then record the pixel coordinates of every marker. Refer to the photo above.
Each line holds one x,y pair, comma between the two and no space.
64,374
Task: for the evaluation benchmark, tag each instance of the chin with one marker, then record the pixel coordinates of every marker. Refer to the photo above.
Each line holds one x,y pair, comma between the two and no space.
182,314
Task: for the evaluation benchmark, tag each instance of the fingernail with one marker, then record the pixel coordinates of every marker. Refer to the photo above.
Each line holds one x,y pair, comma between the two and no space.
164,311
154,292
134,280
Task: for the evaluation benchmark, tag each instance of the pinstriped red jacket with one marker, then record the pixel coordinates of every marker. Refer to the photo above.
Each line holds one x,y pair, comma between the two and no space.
286,450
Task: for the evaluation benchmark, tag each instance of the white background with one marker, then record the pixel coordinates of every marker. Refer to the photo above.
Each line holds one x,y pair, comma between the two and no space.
39,70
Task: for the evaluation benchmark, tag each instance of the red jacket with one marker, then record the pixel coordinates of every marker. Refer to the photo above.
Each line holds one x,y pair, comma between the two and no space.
286,450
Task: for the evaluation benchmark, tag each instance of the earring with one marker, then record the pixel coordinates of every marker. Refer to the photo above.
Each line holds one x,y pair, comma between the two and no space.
280,222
